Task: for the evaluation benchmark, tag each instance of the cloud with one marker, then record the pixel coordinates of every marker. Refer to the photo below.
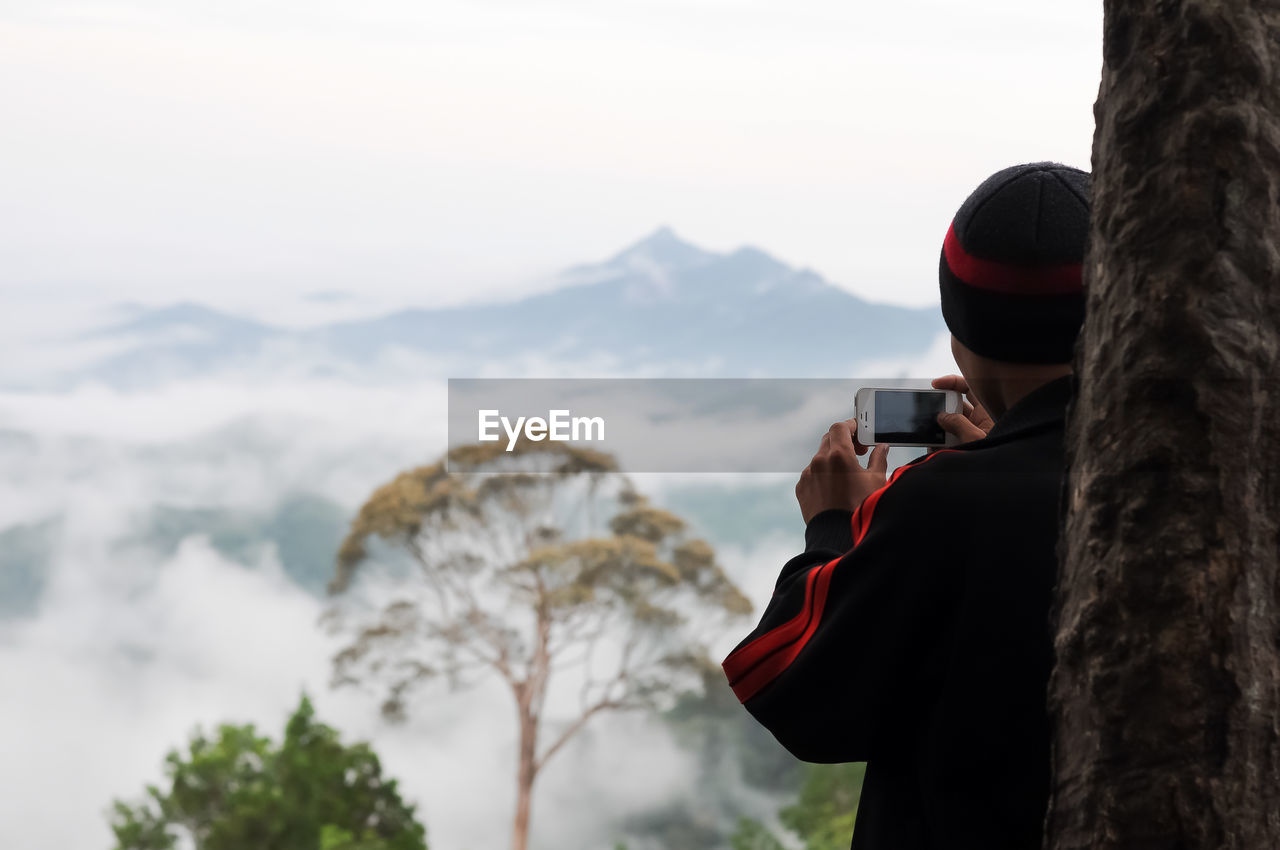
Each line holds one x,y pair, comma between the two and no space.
131,647
128,652
122,660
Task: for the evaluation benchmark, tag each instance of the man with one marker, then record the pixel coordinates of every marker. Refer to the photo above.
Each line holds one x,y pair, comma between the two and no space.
913,631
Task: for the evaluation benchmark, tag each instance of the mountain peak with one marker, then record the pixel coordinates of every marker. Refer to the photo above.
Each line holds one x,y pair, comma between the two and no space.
664,249
664,233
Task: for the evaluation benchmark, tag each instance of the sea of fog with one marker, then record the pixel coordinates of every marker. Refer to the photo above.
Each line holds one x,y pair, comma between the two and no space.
163,552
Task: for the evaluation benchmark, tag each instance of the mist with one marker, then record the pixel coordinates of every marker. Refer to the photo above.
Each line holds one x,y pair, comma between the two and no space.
137,633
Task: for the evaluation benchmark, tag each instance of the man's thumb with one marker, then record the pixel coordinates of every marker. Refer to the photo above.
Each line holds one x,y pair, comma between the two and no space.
879,460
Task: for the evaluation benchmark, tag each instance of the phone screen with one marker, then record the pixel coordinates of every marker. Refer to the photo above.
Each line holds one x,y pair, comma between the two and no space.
906,416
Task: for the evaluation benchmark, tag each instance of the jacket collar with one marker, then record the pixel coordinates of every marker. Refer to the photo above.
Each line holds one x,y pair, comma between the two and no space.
1045,405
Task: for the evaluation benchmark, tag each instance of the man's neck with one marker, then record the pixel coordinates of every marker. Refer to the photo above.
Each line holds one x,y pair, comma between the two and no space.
1008,390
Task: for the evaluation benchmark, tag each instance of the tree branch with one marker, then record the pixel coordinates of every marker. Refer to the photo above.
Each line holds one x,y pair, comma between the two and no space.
575,727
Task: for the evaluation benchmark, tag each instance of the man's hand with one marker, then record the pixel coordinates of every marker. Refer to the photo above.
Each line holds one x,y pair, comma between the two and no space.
834,478
973,423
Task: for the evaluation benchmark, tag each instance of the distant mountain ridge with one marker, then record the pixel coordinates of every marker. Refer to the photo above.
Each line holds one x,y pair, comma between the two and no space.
661,307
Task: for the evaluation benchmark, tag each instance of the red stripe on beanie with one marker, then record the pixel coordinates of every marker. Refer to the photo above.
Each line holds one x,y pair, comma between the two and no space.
1007,277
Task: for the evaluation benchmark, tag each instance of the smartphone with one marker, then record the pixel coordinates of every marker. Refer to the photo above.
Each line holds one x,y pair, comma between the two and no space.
904,417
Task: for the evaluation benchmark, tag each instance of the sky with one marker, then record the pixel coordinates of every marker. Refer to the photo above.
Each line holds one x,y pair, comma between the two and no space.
246,153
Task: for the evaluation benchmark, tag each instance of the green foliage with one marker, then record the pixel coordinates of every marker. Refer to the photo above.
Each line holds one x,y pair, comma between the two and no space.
828,804
238,790
336,838
823,815
753,835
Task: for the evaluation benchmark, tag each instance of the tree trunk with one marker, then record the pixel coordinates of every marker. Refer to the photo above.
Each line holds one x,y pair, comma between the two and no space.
1166,695
526,772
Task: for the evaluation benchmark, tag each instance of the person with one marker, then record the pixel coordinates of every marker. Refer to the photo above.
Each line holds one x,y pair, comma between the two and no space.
913,632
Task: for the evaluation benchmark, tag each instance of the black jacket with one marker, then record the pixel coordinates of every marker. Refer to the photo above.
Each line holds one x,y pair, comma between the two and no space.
913,634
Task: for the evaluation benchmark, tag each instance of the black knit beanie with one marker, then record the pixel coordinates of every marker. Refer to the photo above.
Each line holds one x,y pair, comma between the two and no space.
1011,261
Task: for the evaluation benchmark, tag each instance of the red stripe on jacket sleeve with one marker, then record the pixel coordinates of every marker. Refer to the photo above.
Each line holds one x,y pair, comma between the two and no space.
769,667
739,663
758,663
862,518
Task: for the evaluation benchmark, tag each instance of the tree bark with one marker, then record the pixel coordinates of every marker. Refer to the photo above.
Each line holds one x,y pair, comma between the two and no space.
1166,694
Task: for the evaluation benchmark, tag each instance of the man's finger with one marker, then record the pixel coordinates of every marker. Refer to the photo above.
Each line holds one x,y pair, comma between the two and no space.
858,448
960,426
951,382
840,435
